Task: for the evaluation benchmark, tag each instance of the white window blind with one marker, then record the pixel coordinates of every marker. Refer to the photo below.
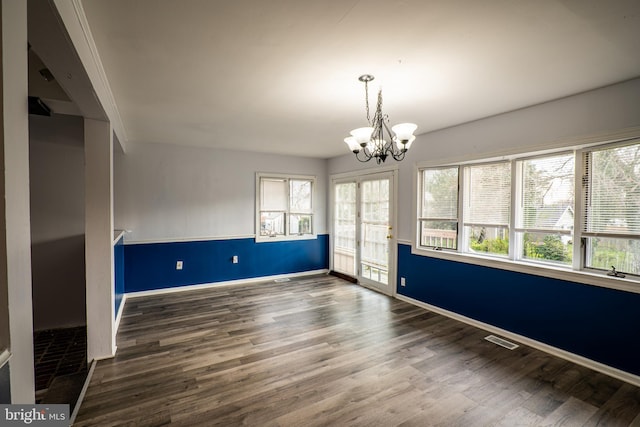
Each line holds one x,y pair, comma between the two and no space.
613,191
487,195
547,193
273,195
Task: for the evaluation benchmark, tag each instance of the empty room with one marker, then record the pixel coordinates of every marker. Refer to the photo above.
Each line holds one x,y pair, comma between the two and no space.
344,213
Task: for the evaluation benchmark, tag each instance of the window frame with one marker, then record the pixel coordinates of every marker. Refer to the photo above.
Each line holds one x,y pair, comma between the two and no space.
421,218
581,234
462,188
288,212
576,272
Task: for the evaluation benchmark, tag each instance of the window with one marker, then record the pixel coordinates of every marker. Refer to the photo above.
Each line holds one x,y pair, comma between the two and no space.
611,227
487,207
285,207
545,212
523,210
438,222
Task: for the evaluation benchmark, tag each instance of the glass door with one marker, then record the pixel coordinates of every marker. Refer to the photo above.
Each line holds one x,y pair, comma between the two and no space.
375,233
344,228
363,230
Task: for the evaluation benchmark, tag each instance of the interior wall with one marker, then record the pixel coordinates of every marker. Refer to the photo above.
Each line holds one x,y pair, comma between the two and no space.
56,156
175,193
556,123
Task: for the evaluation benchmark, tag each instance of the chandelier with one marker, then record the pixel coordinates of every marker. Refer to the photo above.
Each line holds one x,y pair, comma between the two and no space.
369,142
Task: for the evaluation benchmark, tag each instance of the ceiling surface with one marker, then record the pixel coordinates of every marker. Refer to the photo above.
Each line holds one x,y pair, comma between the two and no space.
280,76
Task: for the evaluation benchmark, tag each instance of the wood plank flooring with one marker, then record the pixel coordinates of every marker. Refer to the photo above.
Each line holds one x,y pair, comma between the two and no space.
320,351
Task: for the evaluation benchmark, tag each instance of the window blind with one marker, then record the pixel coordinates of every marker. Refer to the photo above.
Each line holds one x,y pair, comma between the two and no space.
273,194
612,184
487,194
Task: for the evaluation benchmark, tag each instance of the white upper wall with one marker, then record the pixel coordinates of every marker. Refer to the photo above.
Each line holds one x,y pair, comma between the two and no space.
167,192
558,123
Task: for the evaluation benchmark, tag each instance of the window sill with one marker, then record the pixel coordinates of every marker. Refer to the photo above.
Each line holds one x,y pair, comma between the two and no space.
583,277
266,239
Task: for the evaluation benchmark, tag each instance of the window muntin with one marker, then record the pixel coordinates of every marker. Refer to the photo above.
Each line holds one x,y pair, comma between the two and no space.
611,223
487,207
438,221
285,207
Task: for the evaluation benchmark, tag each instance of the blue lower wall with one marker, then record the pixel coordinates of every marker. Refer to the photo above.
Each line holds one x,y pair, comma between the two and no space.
118,260
153,265
598,323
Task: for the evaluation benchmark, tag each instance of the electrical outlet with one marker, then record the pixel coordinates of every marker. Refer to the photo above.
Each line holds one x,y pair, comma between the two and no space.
234,259
403,282
178,265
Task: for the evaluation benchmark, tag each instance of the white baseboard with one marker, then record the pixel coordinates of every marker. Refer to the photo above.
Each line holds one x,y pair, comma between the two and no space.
221,284
76,409
116,324
571,357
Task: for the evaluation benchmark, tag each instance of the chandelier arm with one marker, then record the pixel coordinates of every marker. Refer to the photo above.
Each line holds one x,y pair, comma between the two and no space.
366,157
399,156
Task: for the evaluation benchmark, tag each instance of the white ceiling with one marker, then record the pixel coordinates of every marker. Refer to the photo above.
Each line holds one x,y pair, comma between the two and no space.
281,75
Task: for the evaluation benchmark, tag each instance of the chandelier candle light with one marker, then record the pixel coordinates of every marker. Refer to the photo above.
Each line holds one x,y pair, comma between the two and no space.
370,140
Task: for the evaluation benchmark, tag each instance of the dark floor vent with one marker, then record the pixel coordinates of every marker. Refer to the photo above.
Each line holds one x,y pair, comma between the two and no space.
501,342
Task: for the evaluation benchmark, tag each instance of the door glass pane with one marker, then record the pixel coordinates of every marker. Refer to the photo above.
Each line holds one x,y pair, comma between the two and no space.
374,244
344,248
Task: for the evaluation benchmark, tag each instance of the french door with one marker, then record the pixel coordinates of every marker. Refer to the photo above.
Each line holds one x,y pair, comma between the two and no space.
363,230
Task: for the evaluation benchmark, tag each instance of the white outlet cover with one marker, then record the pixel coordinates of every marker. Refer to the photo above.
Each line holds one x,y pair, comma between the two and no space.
179,265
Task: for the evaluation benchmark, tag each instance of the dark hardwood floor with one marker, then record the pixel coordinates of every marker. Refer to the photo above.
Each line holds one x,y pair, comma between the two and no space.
322,351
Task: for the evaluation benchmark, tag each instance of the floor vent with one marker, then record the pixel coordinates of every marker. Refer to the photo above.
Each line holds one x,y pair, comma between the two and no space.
501,342
281,280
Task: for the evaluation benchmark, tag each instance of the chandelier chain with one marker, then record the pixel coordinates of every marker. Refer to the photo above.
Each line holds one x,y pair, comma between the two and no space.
366,99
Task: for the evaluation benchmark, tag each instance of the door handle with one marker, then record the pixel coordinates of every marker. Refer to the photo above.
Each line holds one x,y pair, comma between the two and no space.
389,236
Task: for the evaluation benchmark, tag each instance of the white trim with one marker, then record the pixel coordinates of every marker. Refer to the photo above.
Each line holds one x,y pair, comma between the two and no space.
116,324
223,284
403,242
4,357
108,98
546,270
204,239
363,173
188,239
76,408
563,354
117,235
